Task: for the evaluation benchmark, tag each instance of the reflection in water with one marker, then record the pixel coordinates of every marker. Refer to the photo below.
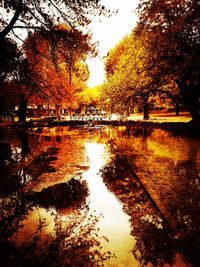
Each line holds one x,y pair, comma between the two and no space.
50,238
39,221
36,167
62,196
168,166
114,223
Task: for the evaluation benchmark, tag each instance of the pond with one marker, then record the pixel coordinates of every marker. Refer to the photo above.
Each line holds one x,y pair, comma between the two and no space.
106,196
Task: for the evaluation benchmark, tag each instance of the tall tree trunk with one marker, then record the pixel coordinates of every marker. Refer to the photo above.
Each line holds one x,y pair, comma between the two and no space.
39,110
22,110
128,111
146,111
58,111
176,105
191,96
24,143
194,111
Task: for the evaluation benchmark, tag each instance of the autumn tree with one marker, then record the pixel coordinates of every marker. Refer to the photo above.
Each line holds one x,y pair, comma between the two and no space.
128,81
135,75
57,71
90,96
114,56
10,60
172,33
162,50
20,16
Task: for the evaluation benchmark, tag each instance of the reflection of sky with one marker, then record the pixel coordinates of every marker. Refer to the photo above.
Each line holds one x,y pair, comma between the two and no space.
113,223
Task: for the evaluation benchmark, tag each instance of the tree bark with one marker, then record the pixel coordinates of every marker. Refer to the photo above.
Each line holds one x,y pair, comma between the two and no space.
192,101
194,110
39,110
128,112
58,112
191,96
146,111
176,105
24,143
22,110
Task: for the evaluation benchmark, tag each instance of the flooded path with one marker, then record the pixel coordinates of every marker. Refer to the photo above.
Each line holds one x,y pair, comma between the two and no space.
99,197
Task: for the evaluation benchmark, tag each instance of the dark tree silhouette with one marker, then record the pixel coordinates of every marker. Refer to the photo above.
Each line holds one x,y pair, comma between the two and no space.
32,14
172,31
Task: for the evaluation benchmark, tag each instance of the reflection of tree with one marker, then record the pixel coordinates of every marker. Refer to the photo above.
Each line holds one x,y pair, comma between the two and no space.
185,208
13,209
13,206
74,243
24,143
5,151
61,196
9,180
156,243
42,163
138,132
75,240
187,214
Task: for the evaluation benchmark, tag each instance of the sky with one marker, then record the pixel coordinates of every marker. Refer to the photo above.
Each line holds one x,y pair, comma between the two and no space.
108,32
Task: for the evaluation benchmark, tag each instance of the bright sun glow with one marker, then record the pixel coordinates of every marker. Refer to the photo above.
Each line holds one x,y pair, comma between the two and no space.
108,32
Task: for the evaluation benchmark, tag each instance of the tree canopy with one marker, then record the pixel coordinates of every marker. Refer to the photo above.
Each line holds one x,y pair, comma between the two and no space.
132,77
161,55
9,58
172,31
56,70
33,14
60,61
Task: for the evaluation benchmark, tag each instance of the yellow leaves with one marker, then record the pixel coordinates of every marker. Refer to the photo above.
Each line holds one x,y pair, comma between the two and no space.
115,55
92,92
63,26
80,71
171,87
62,66
89,95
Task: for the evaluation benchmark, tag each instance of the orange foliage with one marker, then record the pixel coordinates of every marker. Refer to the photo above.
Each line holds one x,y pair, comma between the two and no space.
57,67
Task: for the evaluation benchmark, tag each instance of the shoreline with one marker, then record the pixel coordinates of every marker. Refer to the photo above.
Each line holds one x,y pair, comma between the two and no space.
177,124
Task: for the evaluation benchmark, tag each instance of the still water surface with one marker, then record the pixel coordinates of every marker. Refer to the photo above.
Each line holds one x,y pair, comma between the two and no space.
79,190
113,223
